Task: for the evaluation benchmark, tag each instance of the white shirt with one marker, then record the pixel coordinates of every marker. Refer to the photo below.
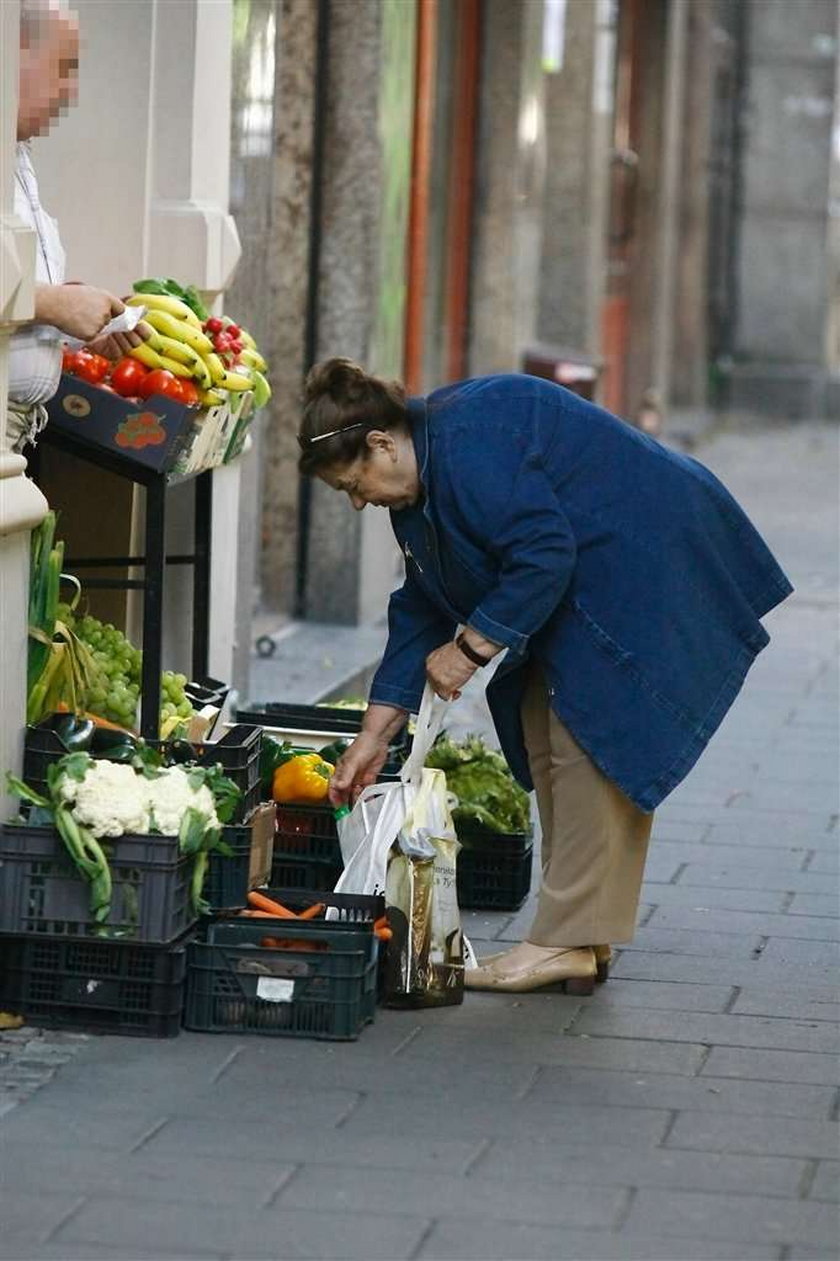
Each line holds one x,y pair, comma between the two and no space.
35,350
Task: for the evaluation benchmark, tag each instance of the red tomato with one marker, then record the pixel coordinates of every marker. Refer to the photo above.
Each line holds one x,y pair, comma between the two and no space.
213,325
90,367
158,381
222,343
233,330
68,359
126,377
184,392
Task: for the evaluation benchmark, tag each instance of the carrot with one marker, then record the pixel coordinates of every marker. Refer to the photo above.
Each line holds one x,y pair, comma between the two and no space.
63,708
266,904
289,943
257,914
381,928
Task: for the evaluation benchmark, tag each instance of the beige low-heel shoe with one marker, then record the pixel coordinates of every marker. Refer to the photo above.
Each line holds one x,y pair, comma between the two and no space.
603,959
528,967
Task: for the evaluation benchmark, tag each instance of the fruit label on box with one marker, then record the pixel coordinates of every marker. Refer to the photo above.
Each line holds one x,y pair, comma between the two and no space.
275,989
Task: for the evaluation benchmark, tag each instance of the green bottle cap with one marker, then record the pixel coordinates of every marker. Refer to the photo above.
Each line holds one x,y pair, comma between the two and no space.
341,812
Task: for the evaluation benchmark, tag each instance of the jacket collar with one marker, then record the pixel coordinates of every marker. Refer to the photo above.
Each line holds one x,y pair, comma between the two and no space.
419,420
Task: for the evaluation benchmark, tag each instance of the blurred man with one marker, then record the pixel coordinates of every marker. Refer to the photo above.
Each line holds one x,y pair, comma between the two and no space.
49,59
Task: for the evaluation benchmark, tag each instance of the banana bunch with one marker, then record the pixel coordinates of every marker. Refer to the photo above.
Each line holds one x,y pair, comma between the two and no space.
216,354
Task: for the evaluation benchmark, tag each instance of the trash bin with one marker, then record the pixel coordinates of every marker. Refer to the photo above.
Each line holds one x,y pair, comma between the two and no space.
573,369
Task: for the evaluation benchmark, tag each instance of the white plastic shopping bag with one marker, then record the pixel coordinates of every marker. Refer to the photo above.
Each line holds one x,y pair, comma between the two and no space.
399,840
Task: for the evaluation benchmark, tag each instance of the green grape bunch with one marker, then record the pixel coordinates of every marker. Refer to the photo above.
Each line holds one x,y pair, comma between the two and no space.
121,666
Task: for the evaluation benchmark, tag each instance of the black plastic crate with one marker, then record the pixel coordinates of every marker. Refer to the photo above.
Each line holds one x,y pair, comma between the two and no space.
238,753
95,986
306,823
331,722
322,984
41,748
307,854
230,877
42,892
494,870
227,879
304,873
349,908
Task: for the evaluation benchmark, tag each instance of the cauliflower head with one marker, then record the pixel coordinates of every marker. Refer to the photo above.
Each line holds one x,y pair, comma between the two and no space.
171,794
111,800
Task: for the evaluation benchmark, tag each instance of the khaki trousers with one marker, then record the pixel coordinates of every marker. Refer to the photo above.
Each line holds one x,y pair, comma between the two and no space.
594,838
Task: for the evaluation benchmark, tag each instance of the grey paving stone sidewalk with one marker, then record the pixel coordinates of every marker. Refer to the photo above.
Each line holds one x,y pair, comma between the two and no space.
688,1111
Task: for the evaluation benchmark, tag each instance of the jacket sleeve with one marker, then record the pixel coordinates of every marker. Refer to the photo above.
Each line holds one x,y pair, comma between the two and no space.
415,628
529,537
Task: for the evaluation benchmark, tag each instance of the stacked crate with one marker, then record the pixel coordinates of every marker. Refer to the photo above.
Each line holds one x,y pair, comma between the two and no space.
58,968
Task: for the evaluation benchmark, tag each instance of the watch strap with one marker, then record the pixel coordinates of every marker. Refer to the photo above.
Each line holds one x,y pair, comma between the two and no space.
470,653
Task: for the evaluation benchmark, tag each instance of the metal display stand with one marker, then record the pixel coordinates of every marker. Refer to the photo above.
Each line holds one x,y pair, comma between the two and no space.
152,563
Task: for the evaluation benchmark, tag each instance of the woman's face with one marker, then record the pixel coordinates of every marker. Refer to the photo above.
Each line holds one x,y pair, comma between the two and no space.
385,475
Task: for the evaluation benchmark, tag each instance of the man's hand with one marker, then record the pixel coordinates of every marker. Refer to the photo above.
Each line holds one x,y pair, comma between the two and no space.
115,345
447,669
77,310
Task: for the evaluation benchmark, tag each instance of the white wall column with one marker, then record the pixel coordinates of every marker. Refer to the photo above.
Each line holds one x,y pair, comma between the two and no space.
150,197
22,506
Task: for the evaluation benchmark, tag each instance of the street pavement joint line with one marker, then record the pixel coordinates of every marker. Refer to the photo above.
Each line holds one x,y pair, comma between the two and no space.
759,947
834,1110
421,1242
352,1107
481,1150
808,859
226,1063
806,1181
675,879
832,822
407,1040
271,1198
150,1133
62,1221
704,1056
669,1126
647,915
787,901
529,1084
623,1210
569,1030
734,995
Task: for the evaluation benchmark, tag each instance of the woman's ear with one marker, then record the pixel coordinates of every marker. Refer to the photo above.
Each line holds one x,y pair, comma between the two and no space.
381,441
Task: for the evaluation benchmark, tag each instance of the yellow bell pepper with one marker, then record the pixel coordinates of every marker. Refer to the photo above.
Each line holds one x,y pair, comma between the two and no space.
305,777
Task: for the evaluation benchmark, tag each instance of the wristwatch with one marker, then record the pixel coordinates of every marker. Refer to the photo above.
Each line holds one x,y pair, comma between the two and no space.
470,653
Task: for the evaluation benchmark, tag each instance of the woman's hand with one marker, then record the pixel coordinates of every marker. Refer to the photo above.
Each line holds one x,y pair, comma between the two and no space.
447,670
358,767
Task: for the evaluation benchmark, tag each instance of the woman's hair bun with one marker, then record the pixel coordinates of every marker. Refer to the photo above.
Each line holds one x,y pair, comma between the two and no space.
342,379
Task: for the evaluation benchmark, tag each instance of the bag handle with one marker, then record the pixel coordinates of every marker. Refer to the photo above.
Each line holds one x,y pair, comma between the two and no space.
429,723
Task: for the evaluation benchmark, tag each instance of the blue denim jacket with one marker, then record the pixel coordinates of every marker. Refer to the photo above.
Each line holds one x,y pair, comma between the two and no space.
625,570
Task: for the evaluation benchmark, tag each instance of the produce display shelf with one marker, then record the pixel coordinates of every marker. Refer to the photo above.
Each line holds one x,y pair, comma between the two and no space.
320,982
94,986
494,869
154,559
41,892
